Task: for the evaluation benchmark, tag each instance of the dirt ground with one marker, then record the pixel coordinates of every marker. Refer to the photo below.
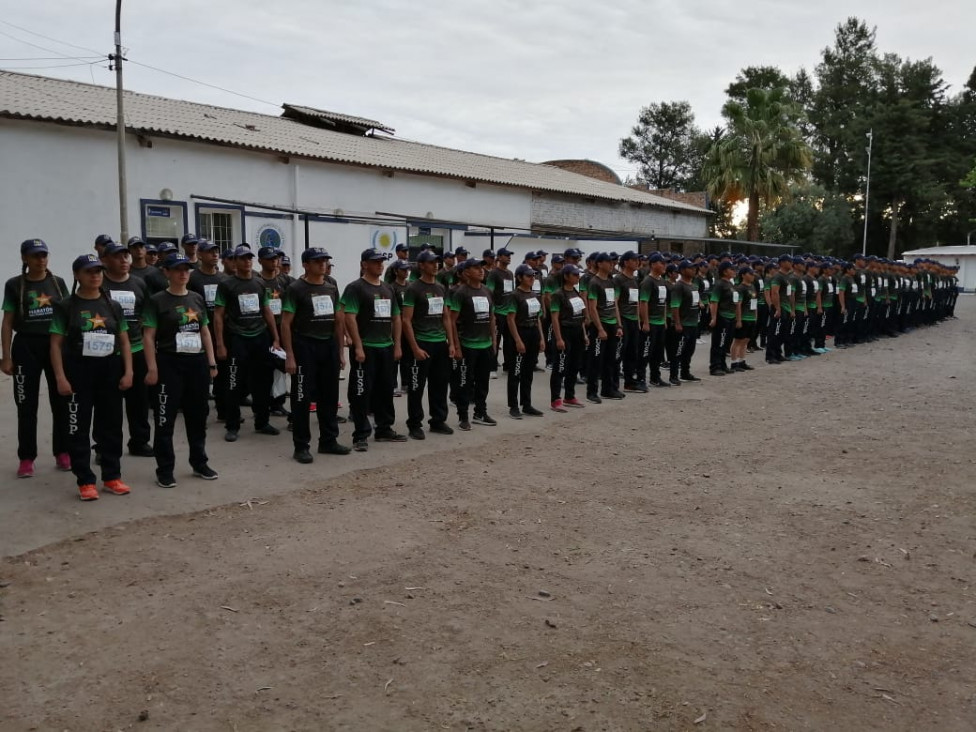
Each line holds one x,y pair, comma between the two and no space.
790,549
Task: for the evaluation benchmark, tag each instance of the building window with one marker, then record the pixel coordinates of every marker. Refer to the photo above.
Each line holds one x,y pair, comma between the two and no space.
163,221
218,228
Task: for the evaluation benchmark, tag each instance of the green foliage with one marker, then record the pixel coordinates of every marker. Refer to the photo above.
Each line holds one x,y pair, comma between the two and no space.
815,220
663,144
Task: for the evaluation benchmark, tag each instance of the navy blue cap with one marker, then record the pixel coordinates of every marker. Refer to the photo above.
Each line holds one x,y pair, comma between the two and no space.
573,252
461,250
33,246
488,254
529,255
558,258
243,251
427,256
542,253
655,258
799,260
671,268
165,247
524,270
629,254
269,253
313,253
504,252
746,270
401,247
400,264
189,239
591,256
87,261
135,241
861,256
227,254
151,249
686,264
725,266
571,269
372,255
285,260
175,260
101,240
785,258
603,257
204,245
449,254
113,248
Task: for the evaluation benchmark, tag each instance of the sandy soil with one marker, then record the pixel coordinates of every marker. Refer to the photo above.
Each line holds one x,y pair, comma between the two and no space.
790,549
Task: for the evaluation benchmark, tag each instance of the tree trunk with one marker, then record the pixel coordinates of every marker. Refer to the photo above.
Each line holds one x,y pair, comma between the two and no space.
752,220
893,237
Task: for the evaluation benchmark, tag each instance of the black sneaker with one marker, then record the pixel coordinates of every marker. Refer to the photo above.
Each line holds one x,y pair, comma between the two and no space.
230,436
417,434
689,377
674,381
142,451
464,425
341,420
531,411
166,481
303,456
333,448
280,412
360,445
743,366
205,472
484,419
594,398
514,413
660,384
439,428
613,395
268,429
713,372
389,436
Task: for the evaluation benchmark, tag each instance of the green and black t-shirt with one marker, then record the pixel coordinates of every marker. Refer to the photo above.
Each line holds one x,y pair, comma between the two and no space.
654,291
605,293
205,285
474,308
781,283
685,298
501,283
428,300
178,320
374,306
131,295
90,327
750,301
827,291
32,303
725,296
629,295
314,308
527,307
570,307
243,302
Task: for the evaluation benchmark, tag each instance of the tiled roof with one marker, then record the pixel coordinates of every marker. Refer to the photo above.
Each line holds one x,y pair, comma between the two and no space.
297,111
24,96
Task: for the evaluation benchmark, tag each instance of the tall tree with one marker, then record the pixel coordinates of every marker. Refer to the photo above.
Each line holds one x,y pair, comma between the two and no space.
662,143
761,154
814,219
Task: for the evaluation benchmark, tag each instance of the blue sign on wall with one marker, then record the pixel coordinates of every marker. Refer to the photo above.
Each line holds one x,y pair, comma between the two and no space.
160,211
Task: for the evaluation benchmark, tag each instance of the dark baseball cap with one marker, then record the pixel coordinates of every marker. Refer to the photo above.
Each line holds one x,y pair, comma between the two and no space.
686,264
102,239
571,269
573,252
243,252
372,255
524,270
313,253
449,254
488,254
400,264
504,252
269,253
205,245
401,247
784,258
427,256
461,250
113,248
227,254
629,254
33,246
603,257
655,257
189,239
175,260
725,266
86,261
165,247
135,241
468,263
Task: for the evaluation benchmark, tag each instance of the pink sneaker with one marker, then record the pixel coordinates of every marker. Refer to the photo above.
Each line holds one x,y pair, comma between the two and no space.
557,406
574,402
26,469
63,462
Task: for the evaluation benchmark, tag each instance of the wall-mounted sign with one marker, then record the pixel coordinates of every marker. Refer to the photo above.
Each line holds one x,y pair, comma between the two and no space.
160,211
270,235
384,239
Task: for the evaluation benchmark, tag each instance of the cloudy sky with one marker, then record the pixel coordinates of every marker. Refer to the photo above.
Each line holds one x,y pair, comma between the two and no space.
534,80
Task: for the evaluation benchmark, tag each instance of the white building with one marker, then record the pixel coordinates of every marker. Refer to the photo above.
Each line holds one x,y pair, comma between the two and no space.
963,257
305,178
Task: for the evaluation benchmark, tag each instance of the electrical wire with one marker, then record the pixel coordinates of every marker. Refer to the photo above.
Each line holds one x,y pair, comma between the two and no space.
48,38
43,48
56,66
44,58
203,83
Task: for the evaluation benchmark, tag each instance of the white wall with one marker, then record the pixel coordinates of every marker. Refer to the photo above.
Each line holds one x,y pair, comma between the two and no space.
551,209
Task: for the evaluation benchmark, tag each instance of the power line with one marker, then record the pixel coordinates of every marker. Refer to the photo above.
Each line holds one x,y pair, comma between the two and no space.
43,48
203,83
56,66
43,58
48,38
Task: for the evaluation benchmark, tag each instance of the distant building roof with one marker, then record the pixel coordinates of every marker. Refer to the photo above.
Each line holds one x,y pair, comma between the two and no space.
949,251
321,117
589,168
24,96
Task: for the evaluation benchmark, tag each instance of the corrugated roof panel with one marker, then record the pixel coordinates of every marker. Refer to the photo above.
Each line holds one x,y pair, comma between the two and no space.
26,96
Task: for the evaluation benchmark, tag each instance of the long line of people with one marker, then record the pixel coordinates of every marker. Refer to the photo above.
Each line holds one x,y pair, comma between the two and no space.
148,341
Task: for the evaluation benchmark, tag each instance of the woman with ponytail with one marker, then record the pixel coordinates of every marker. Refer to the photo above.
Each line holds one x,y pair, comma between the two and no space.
28,306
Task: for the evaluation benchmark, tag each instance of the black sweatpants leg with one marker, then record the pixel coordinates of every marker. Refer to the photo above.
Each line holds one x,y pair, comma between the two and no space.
249,368
523,366
687,340
475,372
631,352
371,390
31,356
430,375
94,412
137,403
316,379
184,381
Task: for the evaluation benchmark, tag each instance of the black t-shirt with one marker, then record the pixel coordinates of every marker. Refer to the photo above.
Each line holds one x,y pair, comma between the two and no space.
629,295
374,307
131,295
654,291
153,277
527,307
314,307
723,293
90,327
243,301
205,285
474,308
178,320
501,283
275,287
428,301
570,307
605,293
32,303
685,297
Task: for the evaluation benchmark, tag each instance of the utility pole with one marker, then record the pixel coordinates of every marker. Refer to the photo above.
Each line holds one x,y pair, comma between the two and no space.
120,125
867,191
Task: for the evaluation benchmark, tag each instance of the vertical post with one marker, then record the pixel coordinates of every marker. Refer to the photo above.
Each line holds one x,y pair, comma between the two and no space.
867,193
120,126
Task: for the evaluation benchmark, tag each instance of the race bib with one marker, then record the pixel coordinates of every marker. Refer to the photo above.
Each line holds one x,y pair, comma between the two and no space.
533,307
480,304
803,288
789,290
863,278
275,305
188,343
707,285
753,304
249,303
577,304
874,291
694,297
632,295
382,308
126,299
816,287
536,285
322,306
435,305
609,294
210,294
735,297
854,288
762,284
98,345
508,286
662,294
830,287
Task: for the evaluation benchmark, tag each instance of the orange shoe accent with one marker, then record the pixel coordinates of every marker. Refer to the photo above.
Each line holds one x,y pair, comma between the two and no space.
88,492
117,487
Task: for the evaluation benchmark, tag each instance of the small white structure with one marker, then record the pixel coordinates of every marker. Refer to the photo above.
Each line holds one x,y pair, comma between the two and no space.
304,178
963,257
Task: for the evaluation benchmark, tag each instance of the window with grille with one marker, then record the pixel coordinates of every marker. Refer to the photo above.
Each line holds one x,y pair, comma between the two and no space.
218,227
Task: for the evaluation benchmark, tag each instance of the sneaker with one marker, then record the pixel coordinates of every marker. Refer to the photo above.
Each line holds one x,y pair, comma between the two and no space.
280,412
302,456
417,434
743,366
580,381
360,445
230,436
574,402
333,448
674,381
613,395
660,384
689,377
795,357
268,429
63,462
557,406
636,388
88,492
494,374
531,411
313,407
166,481
594,398
142,451
26,469
389,436
117,487
205,472
398,392
484,419
514,413
439,428
714,372
464,425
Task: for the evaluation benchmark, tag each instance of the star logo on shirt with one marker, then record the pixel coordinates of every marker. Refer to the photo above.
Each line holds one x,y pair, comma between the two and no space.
42,301
97,321
191,316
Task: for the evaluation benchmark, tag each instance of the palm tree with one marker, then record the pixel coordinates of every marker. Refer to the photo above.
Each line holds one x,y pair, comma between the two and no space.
761,153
